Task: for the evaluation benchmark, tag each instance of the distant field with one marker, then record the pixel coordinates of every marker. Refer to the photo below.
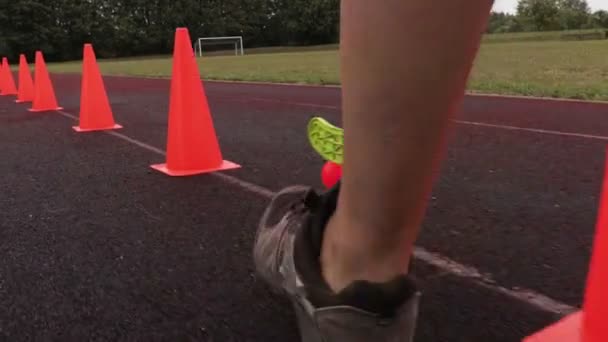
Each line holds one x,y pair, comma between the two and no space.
556,69
544,67
313,67
538,36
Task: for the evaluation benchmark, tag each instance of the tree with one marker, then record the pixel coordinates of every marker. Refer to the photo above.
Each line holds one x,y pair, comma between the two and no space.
600,19
573,14
307,21
539,15
502,23
27,26
134,27
545,15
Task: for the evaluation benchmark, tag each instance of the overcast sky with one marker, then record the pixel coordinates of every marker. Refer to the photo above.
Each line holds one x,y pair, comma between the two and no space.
510,5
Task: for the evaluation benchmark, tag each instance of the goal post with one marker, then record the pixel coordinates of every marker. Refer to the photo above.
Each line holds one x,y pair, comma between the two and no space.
237,41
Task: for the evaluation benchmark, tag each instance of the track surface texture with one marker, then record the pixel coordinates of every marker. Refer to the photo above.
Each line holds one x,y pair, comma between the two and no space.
96,246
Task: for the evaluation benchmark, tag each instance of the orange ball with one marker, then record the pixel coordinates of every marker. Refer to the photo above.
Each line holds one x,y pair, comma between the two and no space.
331,174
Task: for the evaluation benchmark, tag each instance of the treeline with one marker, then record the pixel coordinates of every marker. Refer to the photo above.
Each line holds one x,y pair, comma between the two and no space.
121,28
548,15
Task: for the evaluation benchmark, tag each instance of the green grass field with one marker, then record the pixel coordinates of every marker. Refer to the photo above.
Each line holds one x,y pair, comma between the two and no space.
536,36
510,64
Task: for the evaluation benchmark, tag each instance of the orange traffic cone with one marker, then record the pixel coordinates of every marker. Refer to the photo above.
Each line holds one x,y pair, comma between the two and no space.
591,323
26,84
95,111
192,146
1,76
44,95
8,82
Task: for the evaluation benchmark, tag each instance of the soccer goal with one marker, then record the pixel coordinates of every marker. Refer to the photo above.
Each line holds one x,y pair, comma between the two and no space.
236,41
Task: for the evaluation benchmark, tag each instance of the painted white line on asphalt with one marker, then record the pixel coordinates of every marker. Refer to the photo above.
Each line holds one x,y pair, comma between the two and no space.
460,122
444,264
467,93
530,297
532,130
300,104
249,186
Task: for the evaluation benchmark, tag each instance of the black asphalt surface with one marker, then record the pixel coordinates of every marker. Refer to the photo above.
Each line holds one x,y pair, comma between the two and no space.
96,246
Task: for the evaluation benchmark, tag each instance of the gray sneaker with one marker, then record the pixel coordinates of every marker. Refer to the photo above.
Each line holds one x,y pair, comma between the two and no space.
286,255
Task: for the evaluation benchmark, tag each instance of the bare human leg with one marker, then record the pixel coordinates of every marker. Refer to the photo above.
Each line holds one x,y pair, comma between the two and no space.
342,257
404,69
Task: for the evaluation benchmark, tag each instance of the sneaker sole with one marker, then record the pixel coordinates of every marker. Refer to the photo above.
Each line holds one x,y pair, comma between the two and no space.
326,139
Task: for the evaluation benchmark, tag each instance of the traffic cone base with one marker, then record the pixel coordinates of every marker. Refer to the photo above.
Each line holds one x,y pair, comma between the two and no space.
567,330
226,165
8,94
44,110
82,130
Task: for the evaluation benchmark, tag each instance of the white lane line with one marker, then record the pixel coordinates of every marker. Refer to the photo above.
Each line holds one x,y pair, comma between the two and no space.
470,93
444,264
290,103
248,186
532,130
530,297
461,122
254,188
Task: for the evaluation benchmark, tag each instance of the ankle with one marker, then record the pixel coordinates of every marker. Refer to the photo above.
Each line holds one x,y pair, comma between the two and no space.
347,257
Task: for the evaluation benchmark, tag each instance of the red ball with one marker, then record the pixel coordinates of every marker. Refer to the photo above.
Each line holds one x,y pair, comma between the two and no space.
331,174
